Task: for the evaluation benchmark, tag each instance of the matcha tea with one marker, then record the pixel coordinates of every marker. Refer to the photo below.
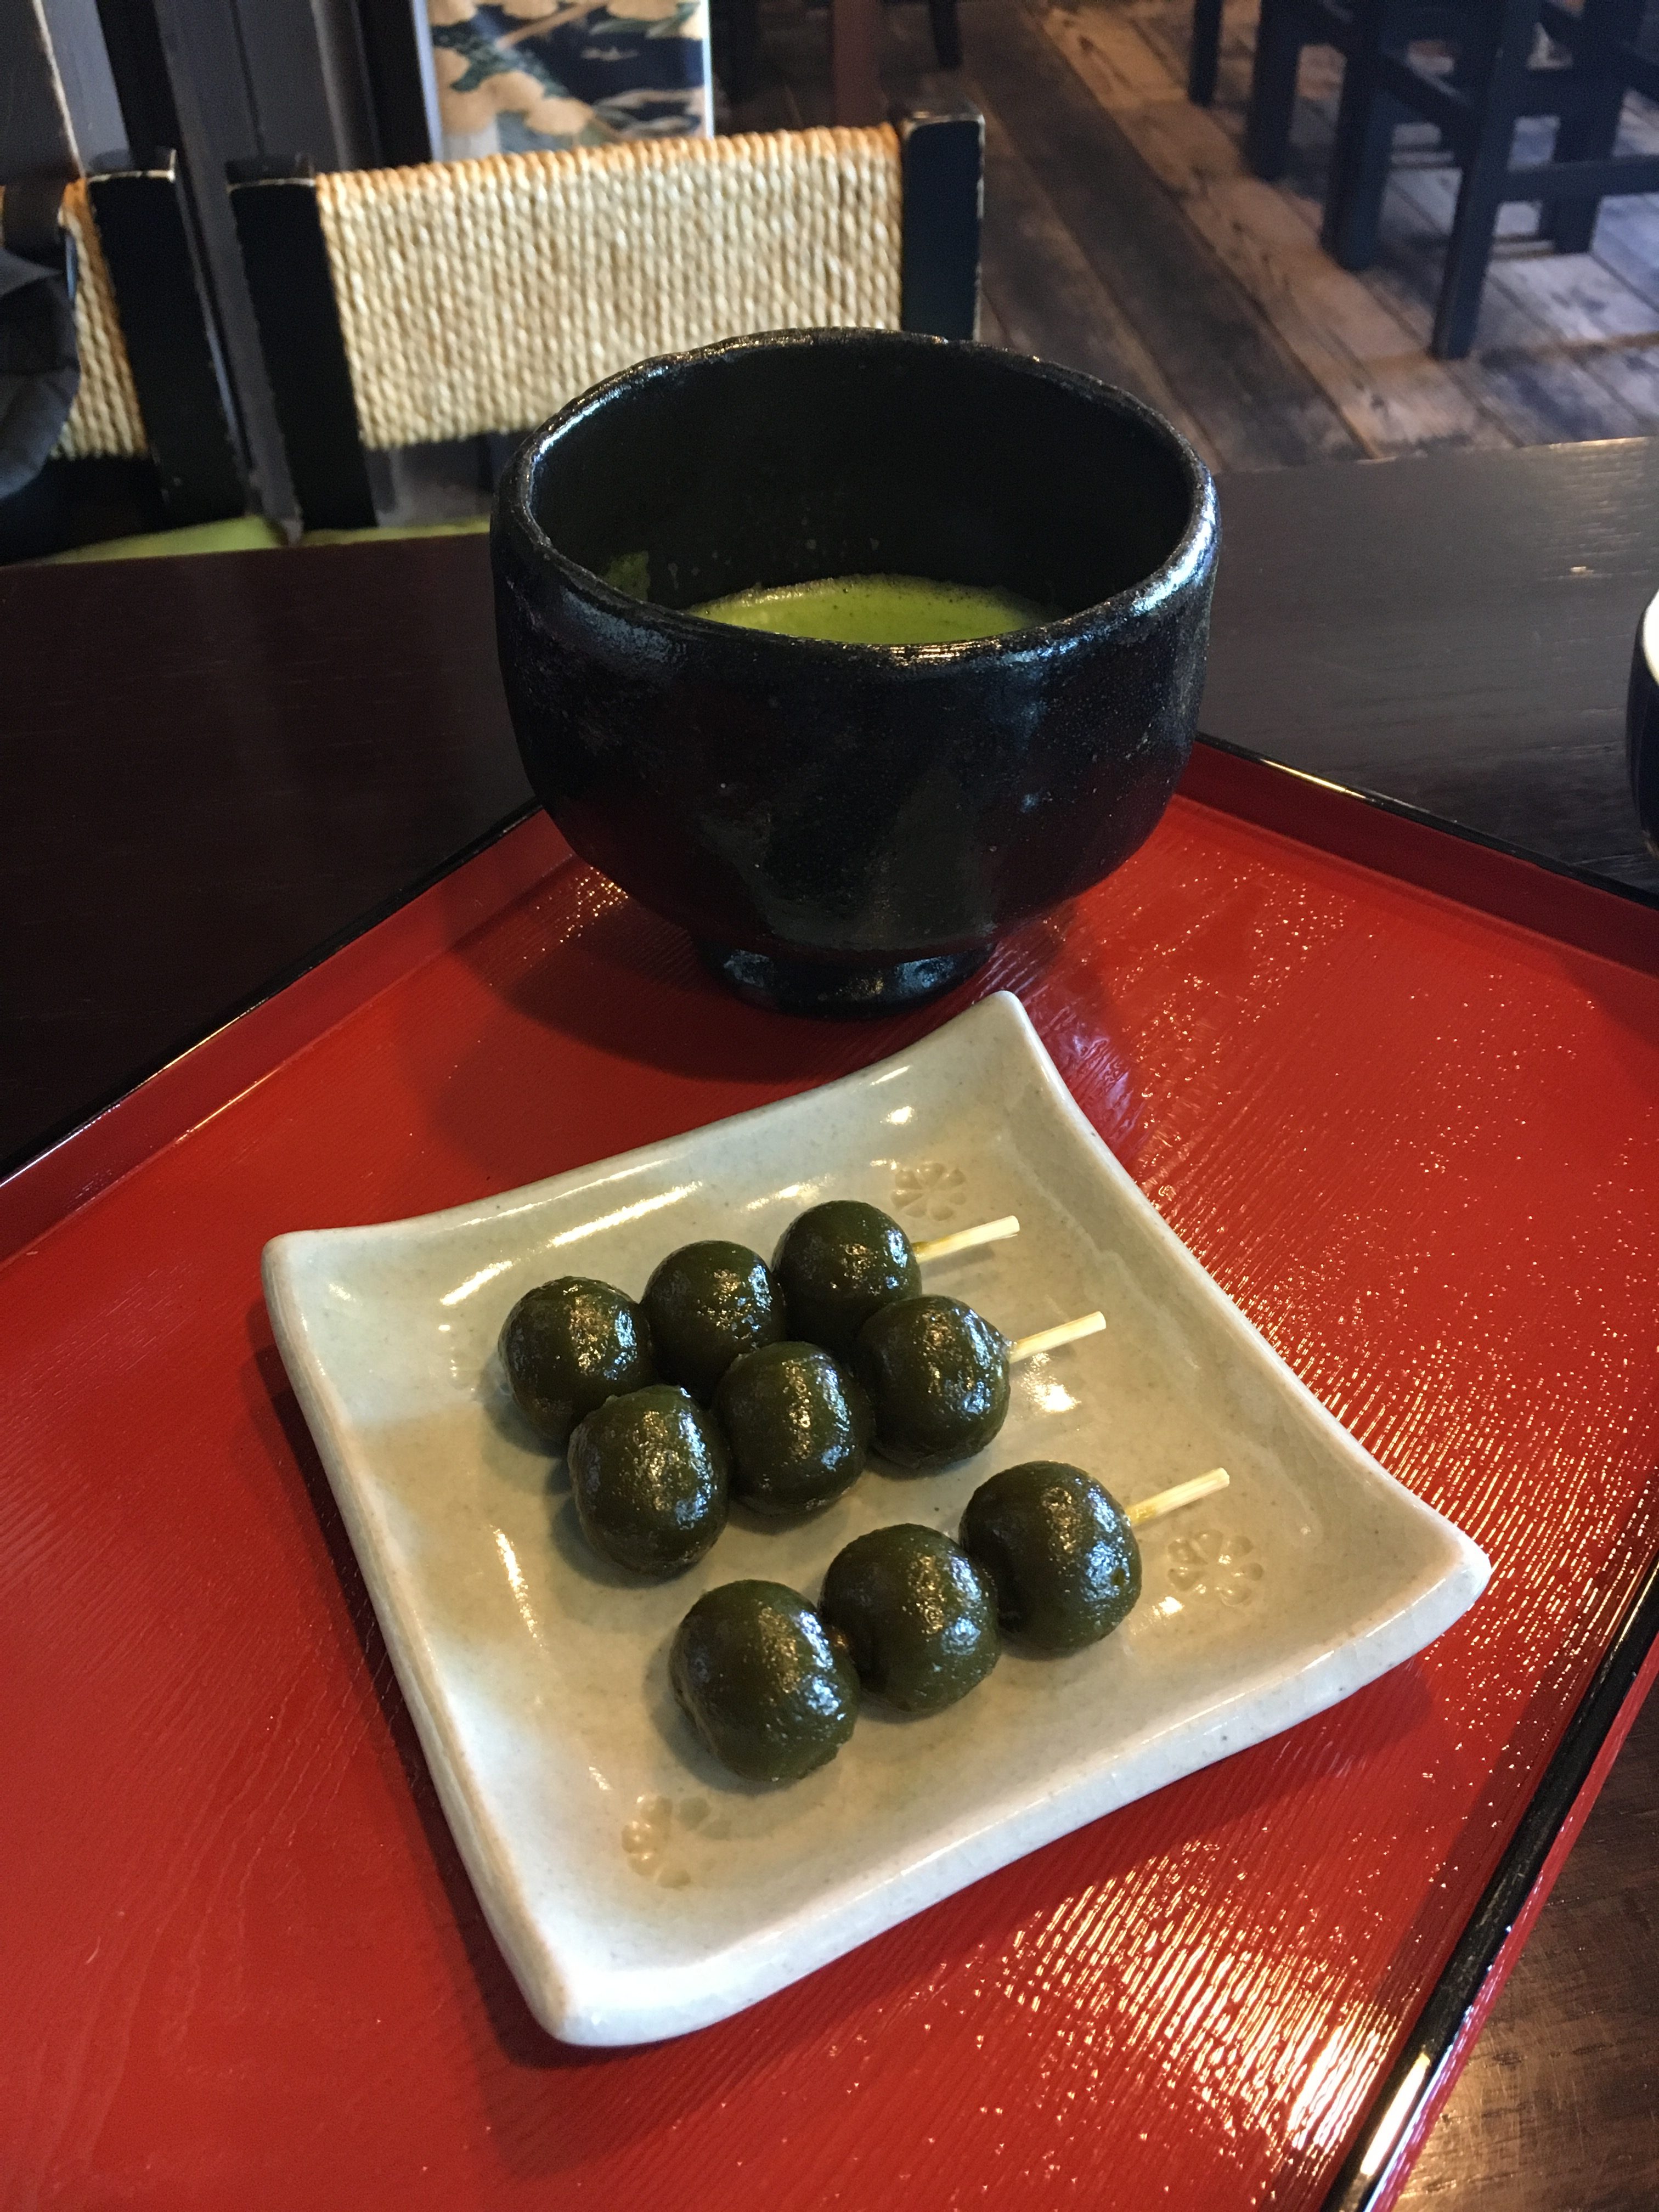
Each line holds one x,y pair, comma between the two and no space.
877,610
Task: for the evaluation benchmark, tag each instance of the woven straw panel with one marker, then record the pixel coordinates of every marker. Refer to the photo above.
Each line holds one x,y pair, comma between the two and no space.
482,296
105,418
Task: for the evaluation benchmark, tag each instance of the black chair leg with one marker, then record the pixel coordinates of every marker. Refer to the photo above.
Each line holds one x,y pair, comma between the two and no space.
1272,88
1465,68
1480,194
1206,55
1365,124
1589,135
947,32
1468,259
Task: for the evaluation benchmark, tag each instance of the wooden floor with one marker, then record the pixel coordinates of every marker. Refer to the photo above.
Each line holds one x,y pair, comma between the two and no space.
1534,2124
1123,235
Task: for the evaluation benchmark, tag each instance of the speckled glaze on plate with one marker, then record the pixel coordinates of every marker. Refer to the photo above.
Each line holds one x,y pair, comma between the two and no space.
636,1890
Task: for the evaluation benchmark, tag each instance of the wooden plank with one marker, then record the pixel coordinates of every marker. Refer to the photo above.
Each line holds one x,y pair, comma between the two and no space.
1166,27
93,106
1050,300
1391,395
39,136
1107,48
1559,2104
992,330
854,70
1255,403
772,105
796,41
1626,238
1614,330
1047,298
1628,242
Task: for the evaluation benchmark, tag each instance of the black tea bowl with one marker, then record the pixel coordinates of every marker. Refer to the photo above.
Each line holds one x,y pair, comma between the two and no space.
1642,721
847,828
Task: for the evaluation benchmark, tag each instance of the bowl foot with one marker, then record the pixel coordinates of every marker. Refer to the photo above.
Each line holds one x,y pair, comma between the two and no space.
812,987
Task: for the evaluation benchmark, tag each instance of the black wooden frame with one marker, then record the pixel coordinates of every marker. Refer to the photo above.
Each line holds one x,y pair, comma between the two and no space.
1475,112
183,393
1284,28
944,170
192,469
280,232
1204,54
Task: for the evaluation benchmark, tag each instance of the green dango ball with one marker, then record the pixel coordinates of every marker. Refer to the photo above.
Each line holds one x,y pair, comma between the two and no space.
770,1691
837,1264
568,1345
1060,1552
936,1374
798,1426
920,1617
649,1474
708,1303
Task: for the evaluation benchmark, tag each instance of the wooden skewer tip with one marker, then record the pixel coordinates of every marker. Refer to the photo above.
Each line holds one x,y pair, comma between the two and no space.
1050,1339
1180,1494
965,1240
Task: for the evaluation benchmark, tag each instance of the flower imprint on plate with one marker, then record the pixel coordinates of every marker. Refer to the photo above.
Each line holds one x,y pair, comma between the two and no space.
1213,1565
647,1838
930,1191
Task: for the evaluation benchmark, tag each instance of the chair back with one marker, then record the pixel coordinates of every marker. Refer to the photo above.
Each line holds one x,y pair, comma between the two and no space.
482,296
406,307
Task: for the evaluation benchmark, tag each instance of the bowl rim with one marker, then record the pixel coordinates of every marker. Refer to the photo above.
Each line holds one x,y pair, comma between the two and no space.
1198,544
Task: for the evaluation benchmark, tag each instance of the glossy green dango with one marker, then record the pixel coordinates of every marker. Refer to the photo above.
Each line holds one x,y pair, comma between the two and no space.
797,1424
1060,1551
837,1264
920,1617
937,1377
768,1687
706,1303
568,1345
649,1475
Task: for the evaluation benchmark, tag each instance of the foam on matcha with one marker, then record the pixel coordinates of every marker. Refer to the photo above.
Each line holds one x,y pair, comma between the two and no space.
877,610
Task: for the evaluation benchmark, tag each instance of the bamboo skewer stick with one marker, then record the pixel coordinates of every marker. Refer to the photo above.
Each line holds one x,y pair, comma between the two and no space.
964,1240
1050,1340
1180,1494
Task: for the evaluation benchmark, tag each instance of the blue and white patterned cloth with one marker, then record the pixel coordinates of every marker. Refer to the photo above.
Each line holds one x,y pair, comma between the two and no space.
518,77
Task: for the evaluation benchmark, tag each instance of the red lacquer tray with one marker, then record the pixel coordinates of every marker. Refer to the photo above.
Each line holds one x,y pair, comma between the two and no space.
1417,1141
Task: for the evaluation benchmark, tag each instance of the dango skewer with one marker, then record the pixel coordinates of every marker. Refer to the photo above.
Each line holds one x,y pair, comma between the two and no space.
965,1240
1050,1339
1178,1494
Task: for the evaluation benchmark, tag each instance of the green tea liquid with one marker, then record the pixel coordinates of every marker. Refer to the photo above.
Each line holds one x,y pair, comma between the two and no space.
877,610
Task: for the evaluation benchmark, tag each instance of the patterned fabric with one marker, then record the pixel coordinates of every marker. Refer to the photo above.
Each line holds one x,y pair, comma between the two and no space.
518,77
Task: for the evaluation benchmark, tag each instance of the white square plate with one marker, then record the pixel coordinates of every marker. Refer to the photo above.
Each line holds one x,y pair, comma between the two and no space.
636,1889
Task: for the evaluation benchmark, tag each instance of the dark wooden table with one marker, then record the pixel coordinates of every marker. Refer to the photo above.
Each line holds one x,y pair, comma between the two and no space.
1454,632
215,770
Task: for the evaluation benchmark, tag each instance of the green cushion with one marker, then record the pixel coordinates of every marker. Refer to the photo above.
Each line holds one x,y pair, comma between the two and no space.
251,533
243,533
465,526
